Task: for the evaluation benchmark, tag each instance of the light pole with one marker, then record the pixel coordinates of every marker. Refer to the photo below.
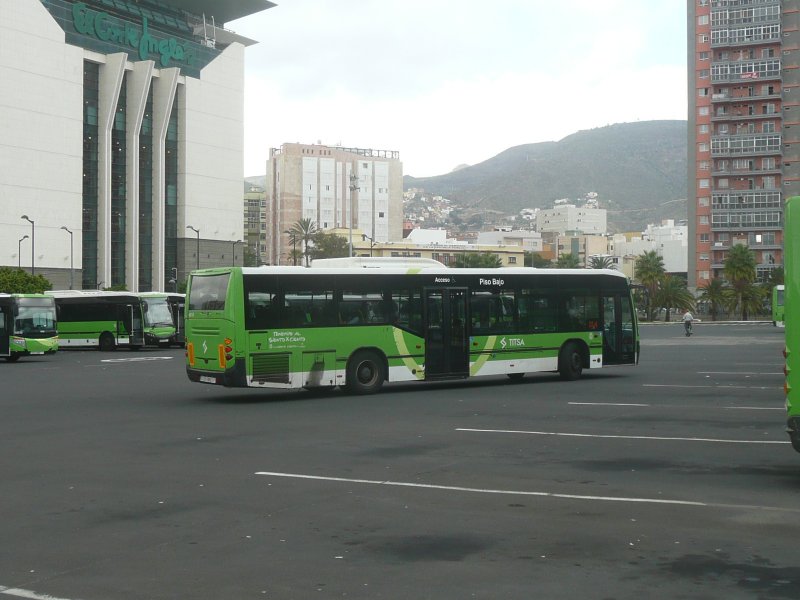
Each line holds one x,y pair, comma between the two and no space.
197,231
33,242
175,278
353,188
71,256
233,250
19,251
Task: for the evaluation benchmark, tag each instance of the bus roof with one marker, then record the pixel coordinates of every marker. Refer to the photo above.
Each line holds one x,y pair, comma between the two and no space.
372,262
488,272
89,294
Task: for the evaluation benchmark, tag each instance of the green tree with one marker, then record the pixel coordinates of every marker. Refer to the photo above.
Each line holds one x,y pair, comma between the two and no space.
649,271
249,258
329,245
568,261
713,293
484,260
601,262
17,281
534,259
672,293
305,230
775,277
740,271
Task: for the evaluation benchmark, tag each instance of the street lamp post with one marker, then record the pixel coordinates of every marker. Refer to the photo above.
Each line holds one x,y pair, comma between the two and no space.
33,242
71,256
197,231
233,251
174,280
19,251
353,188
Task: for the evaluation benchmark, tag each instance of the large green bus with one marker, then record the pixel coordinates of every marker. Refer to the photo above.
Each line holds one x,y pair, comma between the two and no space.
293,327
777,305
27,325
791,300
99,319
159,321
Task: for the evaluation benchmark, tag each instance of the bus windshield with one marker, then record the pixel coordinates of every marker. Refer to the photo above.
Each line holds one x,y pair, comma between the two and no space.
208,292
157,312
35,318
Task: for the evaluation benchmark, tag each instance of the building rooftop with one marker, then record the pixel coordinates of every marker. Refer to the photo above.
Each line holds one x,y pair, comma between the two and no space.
223,12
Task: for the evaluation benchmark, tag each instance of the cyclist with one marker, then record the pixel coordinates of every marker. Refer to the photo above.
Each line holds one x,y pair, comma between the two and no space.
687,322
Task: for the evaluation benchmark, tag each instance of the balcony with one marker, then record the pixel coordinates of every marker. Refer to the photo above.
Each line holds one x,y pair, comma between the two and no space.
722,97
754,171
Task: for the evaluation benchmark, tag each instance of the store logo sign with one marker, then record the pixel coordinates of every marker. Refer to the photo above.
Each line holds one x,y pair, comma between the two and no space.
106,28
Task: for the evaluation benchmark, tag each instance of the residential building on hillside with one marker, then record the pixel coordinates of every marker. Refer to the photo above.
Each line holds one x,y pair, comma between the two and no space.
669,240
530,241
744,148
121,138
333,187
563,218
582,246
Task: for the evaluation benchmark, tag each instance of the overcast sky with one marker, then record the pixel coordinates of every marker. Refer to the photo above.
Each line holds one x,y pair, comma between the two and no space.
448,82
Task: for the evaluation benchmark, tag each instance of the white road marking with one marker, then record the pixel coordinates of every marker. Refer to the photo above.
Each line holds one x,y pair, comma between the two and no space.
605,404
734,373
716,387
20,593
138,359
754,407
452,488
623,437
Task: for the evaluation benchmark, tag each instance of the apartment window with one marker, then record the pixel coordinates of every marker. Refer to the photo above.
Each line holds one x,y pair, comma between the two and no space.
768,127
703,220
768,183
703,201
704,256
704,55
702,38
702,129
704,275
703,183
767,52
704,111
704,165
704,238
768,163
722,183
704,73
512,260
702,92
702,20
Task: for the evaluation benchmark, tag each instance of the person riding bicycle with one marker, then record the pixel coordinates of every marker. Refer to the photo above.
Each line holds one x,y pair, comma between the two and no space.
687,322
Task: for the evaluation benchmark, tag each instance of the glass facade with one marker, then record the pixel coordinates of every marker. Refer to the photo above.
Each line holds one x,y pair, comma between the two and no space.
146,197
91,77
119,186
171,195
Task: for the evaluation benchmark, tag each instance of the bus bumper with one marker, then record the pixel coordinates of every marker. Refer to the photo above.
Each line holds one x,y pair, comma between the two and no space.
236,376
793,429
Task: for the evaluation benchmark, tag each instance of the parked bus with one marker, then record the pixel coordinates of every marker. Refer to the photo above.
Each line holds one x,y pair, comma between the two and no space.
791,264
177,304
27,325
99,319
777,305
159,322
292,327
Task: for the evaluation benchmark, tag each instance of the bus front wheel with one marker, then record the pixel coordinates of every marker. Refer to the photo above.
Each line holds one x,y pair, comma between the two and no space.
365,373
570,362
13,357
106,342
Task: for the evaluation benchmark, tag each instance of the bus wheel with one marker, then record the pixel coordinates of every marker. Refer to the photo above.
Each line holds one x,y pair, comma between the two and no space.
365,373
106,342
13,357
570,362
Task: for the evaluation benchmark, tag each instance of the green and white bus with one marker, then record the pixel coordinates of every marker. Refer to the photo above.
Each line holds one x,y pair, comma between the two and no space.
791,266
99,319
27,325
159,321
777,305
295,327
177,305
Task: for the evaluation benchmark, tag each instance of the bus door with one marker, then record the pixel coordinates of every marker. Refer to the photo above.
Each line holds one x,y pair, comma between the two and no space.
446,349
130,323
619,335
6,323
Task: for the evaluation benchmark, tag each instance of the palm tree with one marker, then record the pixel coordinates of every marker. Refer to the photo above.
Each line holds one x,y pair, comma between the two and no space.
482,260
568,261
740,271
305,230
671,293
713,293
534,259
649,269
601,262
293,241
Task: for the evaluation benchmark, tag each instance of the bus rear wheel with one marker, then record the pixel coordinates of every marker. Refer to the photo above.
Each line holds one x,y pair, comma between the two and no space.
570,362
365,373
106,342
13,357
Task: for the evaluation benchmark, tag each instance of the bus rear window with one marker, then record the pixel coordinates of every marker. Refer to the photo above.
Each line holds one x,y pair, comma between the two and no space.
208,292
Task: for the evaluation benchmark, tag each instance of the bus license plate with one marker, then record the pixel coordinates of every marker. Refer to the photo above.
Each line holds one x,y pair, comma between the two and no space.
207,379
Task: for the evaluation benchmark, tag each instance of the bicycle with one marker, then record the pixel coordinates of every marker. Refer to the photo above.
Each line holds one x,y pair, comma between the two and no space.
687,326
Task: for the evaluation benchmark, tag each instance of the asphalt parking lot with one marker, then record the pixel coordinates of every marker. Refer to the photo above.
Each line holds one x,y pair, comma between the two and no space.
120,479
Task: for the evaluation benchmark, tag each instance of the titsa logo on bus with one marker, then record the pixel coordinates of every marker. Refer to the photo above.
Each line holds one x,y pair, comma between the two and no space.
511,342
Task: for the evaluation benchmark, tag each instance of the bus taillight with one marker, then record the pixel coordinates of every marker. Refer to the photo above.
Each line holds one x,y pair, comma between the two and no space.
222,360
190,353
228,349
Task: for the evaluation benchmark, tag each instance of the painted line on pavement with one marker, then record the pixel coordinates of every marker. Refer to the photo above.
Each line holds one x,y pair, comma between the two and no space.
20,593
734,373
716,387
623,437
138,359
606,404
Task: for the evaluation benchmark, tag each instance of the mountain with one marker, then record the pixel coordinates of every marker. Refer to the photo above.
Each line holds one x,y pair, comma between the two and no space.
637,169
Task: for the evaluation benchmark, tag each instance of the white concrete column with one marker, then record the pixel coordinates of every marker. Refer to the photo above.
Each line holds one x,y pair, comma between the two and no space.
164,90
112,74
138,88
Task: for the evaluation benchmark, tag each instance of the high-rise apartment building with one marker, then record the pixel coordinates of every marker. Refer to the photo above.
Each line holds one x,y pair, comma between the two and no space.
742,149
335,188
